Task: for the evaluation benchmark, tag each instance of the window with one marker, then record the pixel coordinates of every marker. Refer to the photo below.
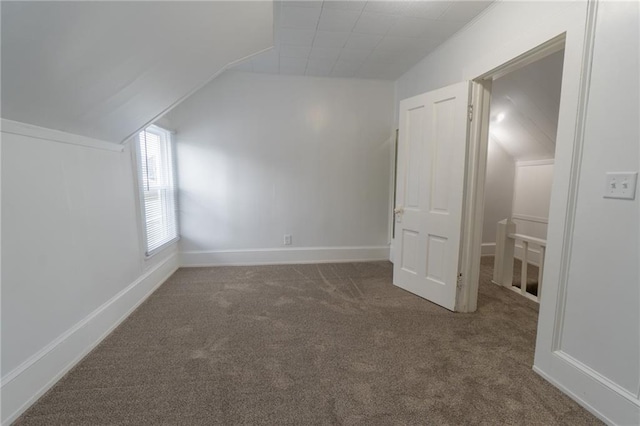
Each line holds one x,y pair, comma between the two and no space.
157,187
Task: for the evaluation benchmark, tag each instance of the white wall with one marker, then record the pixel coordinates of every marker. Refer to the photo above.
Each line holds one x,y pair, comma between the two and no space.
260,156
589,329
518,190
532,196
529,99
531,199
72,264
602,322
498,195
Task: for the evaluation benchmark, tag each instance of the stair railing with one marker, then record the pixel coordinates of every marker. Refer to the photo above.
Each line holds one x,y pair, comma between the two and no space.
506,238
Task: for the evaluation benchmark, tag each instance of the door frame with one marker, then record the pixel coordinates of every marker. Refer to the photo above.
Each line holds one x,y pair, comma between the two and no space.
590,389
476,167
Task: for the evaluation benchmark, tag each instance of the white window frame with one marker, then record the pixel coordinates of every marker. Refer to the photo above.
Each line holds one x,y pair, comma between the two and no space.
169,151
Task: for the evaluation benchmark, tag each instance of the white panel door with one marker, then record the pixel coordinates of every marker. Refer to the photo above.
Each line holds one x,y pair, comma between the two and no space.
430,188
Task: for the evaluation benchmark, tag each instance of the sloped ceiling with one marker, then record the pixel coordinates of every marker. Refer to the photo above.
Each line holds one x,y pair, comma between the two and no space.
524,109
362,39
106,69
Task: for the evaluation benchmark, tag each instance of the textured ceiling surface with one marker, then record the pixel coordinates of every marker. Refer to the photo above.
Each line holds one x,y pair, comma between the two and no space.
524,109
361,39
106,69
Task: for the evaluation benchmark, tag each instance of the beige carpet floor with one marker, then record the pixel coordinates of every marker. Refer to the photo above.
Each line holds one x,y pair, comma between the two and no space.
310,345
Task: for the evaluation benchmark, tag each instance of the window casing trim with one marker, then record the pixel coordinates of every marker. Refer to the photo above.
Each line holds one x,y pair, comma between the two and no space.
142,216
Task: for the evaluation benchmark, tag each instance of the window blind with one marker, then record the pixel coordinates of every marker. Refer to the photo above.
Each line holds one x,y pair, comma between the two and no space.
158,187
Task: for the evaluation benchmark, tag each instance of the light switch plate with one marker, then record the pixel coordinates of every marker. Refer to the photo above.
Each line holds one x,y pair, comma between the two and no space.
621,185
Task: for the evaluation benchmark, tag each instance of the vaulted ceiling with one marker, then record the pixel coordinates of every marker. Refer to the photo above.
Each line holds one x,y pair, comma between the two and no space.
105,69
524,109
362,39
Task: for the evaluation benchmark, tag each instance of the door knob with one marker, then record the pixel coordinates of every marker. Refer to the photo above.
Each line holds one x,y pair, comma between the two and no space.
398,210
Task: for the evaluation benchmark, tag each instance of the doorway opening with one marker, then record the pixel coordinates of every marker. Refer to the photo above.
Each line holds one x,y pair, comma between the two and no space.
523,121
441,163
477,155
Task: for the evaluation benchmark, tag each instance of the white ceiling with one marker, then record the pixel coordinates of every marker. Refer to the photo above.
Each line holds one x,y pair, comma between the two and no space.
362,39
524,109
105,69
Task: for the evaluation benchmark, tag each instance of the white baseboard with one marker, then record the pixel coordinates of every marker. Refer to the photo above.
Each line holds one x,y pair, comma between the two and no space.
615,406
284,256
22,386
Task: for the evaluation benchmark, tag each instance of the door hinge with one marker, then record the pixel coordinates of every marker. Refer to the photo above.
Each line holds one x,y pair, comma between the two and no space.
470,112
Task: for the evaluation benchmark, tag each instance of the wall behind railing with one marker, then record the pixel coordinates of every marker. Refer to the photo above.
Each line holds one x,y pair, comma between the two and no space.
531,195
498,196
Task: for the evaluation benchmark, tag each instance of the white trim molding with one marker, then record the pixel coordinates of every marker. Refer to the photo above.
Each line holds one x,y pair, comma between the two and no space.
488,249
24,129
22,386
275,256
527,163
529,218
600,396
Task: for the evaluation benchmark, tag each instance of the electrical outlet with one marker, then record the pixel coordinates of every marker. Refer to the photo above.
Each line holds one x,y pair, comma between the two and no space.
287,239
621,185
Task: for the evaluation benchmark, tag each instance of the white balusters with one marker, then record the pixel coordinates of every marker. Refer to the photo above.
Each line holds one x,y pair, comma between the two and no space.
525,265
541,271
503,263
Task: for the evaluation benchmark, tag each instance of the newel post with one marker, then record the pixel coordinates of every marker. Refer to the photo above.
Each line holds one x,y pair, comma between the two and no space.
503,263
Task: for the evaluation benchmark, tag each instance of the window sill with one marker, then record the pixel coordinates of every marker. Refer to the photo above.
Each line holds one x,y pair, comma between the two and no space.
162,248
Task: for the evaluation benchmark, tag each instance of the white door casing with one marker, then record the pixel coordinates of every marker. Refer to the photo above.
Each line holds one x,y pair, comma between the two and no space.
430,191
